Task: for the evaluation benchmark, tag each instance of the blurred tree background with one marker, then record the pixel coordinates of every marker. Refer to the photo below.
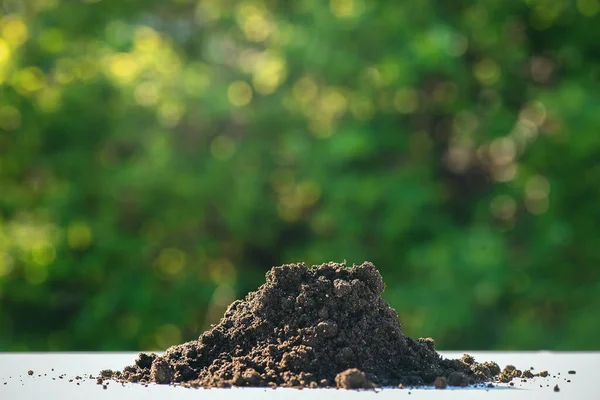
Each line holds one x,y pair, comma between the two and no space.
157,157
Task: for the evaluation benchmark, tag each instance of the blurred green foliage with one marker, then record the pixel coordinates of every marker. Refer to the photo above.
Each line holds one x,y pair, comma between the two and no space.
156,157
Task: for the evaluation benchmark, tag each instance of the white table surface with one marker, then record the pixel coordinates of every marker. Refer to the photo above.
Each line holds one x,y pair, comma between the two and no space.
585,384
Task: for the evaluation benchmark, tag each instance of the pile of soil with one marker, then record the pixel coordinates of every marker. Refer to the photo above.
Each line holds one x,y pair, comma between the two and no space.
323,326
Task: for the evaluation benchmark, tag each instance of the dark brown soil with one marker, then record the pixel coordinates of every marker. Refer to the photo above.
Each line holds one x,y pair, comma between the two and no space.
324,326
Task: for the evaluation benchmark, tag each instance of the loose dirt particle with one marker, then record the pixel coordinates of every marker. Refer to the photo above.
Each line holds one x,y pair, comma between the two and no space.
352,379
572,372
106,373
322,326
440,382
30,372
556,388
458,379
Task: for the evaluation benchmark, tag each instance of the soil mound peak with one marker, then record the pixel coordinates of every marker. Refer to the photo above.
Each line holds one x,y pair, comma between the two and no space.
304,327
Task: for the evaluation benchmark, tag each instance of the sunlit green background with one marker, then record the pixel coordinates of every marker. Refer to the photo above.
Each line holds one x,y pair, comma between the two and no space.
157,157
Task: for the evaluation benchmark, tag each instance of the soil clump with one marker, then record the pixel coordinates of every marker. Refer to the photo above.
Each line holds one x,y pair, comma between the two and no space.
323,326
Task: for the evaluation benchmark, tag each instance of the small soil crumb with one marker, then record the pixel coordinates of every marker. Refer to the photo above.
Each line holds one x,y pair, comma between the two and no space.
161,372
458,379
352,379
527,374
30,372
320,326
556,388
440,382
572,372
106,373
104,387
467,359
543,374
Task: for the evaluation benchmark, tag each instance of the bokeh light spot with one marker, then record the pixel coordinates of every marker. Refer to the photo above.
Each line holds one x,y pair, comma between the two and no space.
6,264
4,52
362,108
503,207
502,151
486,293
537,190
239,93
43,253
254,22
305,89
52,40
171,261
49,100
345,8
588,8
29,80
123,67
197,79
269,73
504,172
167,335
208,11
35,273
14,30
222,147
169,113
222,272
406,100
79,236
487,72
10,118
458,45
534,112
146,94
458,158
41,5
146,40
129,325
333,103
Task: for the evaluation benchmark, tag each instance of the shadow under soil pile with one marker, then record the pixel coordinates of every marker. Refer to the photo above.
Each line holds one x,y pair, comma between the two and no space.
324,326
